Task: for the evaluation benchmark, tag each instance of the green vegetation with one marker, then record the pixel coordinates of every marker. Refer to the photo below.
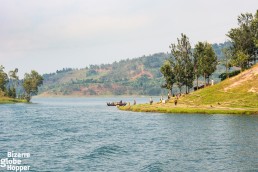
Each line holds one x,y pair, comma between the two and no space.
10,85
178,71
7,100
31,83
182,64
236,95
205,61
244,41
138,76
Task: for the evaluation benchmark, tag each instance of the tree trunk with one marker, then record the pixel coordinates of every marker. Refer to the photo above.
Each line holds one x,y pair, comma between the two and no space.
204,76
197,82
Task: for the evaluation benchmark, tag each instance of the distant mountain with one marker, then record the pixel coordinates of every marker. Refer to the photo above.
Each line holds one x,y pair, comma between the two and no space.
138,76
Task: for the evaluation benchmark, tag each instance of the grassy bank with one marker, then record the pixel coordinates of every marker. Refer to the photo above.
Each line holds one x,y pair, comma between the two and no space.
7,100
236,95
171,108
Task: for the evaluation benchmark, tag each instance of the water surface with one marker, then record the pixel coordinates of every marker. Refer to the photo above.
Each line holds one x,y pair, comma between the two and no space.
83,134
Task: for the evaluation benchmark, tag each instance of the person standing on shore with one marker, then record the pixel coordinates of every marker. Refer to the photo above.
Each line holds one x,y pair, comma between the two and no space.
151,101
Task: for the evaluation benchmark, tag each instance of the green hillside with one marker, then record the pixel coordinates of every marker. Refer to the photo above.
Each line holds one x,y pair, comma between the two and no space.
238,95
138,76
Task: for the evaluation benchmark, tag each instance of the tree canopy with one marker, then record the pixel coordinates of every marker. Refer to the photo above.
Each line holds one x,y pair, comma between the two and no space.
31,83
244,40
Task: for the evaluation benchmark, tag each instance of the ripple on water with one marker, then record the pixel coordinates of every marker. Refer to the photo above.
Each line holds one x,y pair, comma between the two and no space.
106,151
153,167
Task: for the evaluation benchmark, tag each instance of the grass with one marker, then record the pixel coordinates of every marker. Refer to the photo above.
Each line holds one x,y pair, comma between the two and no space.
7,100
236,95
187,109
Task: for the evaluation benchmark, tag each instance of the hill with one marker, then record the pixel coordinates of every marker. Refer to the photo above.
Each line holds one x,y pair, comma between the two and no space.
138,76
236,95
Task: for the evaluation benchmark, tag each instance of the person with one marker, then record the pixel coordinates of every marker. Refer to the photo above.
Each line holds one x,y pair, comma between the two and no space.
161,99
134,102
151,101
175,101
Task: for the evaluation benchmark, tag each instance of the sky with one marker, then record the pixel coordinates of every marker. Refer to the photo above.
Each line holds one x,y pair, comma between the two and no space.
47,35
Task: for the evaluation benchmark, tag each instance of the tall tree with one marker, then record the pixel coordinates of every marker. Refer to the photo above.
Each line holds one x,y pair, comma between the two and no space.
198,54
226,62
31,83
244,40
168,73
209,60
254,27
3,79
14,80
205,60
183,64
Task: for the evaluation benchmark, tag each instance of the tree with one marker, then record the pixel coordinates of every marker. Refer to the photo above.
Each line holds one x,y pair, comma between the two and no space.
209,61
254,28
205,60
244,40
13,74
226,62
168,74
183,63
241,60
198,54
13,78
31,83
3,79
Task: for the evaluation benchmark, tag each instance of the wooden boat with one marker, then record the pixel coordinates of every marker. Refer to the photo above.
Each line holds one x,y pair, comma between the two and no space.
116,103
121,104
111,104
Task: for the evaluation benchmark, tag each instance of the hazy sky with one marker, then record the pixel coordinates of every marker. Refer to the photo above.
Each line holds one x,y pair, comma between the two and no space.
47,35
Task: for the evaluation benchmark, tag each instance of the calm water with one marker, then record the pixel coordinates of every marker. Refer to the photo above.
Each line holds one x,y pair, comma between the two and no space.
85,135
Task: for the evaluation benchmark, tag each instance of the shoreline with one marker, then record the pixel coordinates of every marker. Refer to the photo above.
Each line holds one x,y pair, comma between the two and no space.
170,108
6,100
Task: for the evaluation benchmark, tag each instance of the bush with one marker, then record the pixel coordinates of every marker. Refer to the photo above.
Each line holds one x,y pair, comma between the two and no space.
223,76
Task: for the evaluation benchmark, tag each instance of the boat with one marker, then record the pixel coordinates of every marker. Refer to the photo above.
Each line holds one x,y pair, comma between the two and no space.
116,103
111,104
121,104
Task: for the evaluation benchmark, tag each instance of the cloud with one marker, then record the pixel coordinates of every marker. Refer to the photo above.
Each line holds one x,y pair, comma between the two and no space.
37,26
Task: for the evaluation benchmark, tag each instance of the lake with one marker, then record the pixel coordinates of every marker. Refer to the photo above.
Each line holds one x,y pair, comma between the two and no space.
83,134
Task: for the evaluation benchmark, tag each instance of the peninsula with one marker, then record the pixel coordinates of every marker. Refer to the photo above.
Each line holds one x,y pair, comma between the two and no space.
236,95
